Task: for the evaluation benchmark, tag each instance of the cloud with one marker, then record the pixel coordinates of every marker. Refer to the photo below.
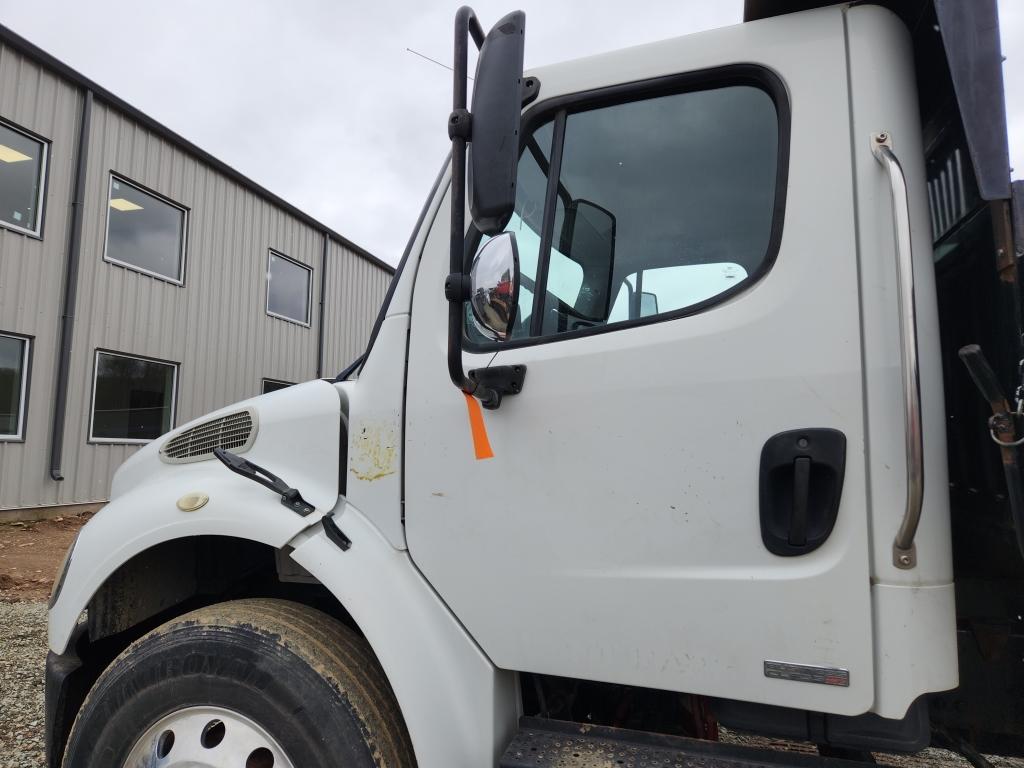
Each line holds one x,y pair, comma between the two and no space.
320,102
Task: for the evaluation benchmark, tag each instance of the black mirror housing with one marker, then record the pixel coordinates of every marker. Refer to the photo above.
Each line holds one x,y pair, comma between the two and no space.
496,110
494,134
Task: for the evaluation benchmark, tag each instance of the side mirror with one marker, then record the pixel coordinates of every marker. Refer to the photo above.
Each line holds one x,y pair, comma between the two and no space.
494,133
494,287
648,304
492,129
588,238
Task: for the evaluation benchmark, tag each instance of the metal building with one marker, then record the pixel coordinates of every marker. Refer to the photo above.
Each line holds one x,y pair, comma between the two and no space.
143,283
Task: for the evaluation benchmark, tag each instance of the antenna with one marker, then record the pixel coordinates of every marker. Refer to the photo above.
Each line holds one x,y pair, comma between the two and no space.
435,61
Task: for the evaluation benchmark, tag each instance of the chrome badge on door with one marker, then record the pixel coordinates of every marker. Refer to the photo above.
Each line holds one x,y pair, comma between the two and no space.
807,673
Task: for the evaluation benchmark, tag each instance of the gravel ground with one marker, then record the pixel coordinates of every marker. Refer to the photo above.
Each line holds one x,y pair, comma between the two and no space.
927,758
22,655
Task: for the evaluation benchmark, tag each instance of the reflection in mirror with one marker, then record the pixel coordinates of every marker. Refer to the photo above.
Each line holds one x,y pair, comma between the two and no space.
494,286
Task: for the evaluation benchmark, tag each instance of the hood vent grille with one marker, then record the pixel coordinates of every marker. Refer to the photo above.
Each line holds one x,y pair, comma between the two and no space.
234,432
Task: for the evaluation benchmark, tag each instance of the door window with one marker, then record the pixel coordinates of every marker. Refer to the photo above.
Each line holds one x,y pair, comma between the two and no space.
662,207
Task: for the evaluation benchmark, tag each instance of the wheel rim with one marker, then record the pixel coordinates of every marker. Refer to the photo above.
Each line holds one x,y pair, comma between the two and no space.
206,737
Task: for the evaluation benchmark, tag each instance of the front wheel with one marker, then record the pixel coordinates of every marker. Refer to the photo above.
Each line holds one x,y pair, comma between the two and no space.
244,684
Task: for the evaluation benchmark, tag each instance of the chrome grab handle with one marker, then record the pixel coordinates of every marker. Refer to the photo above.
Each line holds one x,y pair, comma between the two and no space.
904,554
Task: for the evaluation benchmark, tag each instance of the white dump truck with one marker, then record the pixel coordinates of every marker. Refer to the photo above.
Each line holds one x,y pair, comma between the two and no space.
693,403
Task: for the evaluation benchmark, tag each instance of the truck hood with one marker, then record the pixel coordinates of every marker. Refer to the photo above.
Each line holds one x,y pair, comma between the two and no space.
294,432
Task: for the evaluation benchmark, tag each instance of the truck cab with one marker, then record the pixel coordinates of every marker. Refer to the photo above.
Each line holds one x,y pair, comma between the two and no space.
710,456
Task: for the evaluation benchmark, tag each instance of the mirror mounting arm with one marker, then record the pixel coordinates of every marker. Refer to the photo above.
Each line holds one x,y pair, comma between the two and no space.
503,379
457,287
459,124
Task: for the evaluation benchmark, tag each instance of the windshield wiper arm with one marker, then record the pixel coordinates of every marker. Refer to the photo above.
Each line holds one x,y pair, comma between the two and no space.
290,497
350,368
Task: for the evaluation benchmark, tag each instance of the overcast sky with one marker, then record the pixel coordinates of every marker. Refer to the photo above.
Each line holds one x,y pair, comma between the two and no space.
319,101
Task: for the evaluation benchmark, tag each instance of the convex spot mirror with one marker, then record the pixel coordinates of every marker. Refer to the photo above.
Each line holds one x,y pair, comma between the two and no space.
494,138
494,287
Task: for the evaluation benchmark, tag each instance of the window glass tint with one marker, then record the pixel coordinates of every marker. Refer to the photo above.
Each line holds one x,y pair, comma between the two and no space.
662,204
22,164
134,399
288,289
270,385
144,231
12,384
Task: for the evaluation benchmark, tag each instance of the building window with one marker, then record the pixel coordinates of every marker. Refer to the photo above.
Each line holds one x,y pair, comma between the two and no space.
13,385
22,180
145,232
289,284
272,385
133,398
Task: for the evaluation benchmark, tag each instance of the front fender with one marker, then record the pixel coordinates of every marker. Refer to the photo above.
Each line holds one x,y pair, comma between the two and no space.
459,708
297,436
147,515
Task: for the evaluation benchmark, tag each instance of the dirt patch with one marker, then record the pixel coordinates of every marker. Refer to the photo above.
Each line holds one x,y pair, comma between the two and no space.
31,553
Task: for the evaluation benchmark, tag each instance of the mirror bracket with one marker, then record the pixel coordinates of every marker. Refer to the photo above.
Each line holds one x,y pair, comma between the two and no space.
460,124
531,89
457,287
500,380
466,26
504,72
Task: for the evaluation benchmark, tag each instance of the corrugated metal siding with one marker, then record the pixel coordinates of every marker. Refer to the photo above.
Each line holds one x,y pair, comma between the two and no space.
355,290
32,270
214,326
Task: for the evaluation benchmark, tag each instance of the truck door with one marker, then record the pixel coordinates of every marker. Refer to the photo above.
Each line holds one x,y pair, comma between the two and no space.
676,499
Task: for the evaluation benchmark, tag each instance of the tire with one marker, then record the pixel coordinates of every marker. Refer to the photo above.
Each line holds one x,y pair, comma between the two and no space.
232,679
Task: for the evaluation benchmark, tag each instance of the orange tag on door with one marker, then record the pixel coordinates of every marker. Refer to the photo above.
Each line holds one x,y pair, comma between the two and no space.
481,445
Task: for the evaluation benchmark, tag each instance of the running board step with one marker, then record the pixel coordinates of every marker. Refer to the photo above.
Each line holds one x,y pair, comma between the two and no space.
541,743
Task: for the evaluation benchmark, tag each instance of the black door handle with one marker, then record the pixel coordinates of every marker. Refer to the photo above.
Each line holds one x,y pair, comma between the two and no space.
801,490
800,486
